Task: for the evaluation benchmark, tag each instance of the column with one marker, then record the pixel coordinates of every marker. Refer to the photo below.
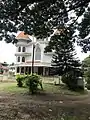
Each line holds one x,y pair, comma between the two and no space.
24,70
19,70
43,71
15,70
27,70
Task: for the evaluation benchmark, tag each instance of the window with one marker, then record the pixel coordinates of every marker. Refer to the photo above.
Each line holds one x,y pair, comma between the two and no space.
38,54
19,49
23,59
23,49
18,59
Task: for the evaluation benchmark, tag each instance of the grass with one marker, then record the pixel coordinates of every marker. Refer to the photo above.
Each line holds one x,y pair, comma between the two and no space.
61,90
12,87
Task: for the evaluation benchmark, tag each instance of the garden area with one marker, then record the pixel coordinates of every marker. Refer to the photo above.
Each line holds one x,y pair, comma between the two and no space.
53,102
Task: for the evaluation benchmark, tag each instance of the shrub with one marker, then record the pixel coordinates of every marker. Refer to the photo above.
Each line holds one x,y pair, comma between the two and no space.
87,83
88,86
87,78
71,80
20,79
32,82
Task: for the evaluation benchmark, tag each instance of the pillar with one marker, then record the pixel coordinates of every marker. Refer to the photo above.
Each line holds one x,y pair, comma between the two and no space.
24,70
19,70
43,71
28,70
15,70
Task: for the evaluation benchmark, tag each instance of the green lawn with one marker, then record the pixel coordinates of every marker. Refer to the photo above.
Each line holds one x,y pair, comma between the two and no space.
61,90
11,87
48,88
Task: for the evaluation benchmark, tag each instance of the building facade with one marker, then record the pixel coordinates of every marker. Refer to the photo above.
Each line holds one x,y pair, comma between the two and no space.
24,55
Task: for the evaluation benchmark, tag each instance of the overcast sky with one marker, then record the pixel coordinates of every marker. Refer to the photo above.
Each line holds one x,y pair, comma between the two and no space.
7,52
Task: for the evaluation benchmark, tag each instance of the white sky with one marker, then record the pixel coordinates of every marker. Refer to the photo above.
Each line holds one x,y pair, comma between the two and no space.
7,52
81,55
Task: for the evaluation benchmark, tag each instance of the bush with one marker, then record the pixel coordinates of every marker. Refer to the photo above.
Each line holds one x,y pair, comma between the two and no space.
32,82
20,79
87,83
88,86
71,80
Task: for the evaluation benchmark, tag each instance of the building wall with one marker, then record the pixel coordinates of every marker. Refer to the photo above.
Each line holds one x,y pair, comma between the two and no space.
28,45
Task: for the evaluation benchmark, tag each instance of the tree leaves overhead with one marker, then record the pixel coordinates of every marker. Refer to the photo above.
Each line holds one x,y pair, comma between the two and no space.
84,31
37,17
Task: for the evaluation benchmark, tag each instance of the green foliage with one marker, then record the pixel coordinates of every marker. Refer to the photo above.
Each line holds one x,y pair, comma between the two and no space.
86,69
88,86
86,62
64,62
84,28
38,17
20,79
87,78
87,74
32,82
71,80
64,58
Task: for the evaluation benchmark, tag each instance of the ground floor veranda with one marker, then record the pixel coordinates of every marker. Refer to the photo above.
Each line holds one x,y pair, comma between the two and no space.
40,70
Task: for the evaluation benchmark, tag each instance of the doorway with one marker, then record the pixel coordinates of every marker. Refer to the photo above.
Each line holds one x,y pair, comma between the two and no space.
40,70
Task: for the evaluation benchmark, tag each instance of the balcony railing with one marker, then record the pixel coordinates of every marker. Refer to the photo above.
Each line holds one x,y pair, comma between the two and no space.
23,53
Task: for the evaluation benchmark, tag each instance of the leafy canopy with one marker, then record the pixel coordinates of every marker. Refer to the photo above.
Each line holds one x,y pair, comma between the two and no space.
37,17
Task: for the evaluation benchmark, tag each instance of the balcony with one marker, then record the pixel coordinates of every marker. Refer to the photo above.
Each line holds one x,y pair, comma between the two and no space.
22,54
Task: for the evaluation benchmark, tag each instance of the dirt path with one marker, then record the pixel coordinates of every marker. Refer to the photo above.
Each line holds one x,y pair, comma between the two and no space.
43,107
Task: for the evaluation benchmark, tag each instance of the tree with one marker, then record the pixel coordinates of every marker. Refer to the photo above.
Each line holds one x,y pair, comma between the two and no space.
38,17
86,62
84,31
86,67
64,60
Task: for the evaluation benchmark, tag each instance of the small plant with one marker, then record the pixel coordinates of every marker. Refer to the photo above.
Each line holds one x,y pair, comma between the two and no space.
19,79
33,81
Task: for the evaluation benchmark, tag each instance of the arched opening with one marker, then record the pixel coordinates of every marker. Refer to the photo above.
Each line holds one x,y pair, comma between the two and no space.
38,54
18,59
23,49
23,59
19,49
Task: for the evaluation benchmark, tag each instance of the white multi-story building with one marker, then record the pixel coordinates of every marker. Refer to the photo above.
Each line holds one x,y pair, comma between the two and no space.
24,53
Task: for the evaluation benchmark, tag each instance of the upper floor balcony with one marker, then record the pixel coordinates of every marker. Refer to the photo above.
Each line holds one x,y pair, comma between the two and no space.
22,54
